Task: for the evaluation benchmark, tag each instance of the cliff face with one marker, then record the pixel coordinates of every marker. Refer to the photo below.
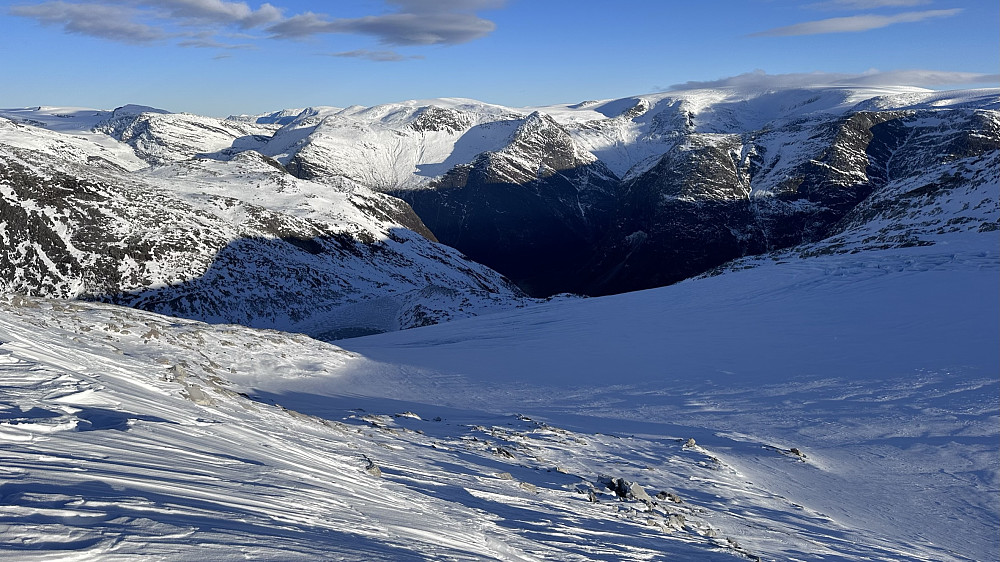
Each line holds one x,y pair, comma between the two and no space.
235,241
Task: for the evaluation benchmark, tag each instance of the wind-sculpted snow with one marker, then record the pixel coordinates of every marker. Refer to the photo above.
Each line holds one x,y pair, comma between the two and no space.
836,407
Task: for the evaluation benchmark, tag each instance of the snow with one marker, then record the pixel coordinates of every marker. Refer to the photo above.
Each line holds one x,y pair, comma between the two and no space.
125,432
836,401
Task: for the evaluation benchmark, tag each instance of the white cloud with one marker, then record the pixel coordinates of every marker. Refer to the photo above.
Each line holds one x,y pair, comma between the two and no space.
760,80
421,27
415,22
113,23
376,56
857,23
217,11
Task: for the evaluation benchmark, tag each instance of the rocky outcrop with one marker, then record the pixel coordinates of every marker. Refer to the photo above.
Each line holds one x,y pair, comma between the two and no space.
227,242
712,199
533,209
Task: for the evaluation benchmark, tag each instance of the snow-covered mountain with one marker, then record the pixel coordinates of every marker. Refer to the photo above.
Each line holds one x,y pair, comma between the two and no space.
596,197
664,186
834,400
236,240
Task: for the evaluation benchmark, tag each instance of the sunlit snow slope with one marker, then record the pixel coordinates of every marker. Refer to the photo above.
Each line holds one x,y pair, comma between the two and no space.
842,407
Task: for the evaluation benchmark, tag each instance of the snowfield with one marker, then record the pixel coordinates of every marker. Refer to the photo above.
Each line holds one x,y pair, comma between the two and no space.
839,407
836,400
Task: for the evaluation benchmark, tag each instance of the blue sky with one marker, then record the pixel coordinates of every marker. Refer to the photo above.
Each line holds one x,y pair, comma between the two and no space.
220,57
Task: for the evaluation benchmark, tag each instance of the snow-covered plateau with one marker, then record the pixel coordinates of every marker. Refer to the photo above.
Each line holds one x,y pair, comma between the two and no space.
835,398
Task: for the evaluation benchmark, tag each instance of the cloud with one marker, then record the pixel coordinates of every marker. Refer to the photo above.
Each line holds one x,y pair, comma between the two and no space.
217,11
419,22
208,43
96,20
438,6
414,22
850,24
376,56
868,4
760,80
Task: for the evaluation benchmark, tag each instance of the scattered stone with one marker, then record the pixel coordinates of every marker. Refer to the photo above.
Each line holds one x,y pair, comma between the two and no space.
504,476
797,453
528,487
624,489
669,496
503,452
635,491
690,443
175,372
197,395
658,524
372,468
676,521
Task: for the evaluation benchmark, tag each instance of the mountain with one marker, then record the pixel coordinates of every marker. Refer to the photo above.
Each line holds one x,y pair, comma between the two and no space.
533,209
834,397
610,196
594,198
236,240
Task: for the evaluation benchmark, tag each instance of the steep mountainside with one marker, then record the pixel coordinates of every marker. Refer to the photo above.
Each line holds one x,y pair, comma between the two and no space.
718,197
533,209
610,196
597,197
236,241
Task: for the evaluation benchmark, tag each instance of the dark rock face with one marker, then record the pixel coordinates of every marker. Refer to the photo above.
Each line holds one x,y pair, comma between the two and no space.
697,207
533,210
433,118
85,232
719,182
65,235
645,192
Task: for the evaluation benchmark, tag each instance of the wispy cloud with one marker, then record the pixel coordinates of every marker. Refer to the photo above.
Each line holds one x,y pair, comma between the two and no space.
418,22
412,23
113,23
376,56
209,43
857,23
216,11
868,4
760,80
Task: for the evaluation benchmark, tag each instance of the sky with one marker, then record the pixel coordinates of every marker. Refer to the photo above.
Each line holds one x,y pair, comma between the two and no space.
220,57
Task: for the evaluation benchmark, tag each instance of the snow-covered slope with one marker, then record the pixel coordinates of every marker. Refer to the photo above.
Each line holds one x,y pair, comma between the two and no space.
160,137
838,400
839,407
664,186
235,240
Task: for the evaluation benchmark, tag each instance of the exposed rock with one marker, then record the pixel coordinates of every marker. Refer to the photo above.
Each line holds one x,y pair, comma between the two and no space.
372,469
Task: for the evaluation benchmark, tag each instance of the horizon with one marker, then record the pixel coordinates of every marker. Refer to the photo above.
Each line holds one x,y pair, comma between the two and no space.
219,58
776,85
